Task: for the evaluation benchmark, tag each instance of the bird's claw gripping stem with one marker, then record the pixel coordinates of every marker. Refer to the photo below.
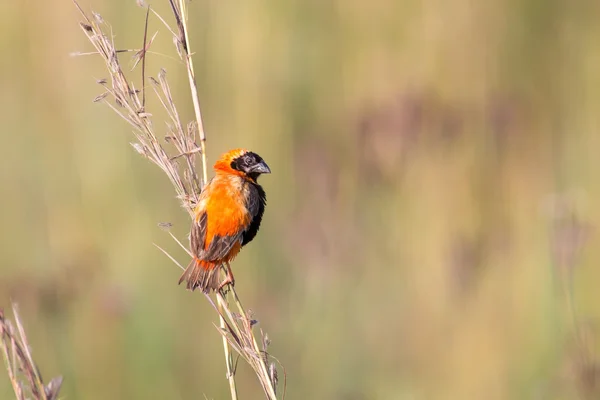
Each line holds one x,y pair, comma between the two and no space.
229,279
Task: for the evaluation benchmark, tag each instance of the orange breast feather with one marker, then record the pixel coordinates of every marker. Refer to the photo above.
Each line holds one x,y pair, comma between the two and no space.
227,216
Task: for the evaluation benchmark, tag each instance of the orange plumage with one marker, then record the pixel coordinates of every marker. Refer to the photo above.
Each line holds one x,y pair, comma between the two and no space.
227,217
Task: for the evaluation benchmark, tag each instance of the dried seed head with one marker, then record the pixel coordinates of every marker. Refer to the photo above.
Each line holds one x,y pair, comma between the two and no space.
86,27
165,226
192,128
162,74
98,17
266,341
273,375
177,44
100,97
139,148
51,390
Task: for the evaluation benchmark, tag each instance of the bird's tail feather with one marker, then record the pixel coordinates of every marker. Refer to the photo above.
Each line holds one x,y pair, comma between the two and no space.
201,274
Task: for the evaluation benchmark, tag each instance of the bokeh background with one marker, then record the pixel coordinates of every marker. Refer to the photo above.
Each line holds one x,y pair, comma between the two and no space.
431,217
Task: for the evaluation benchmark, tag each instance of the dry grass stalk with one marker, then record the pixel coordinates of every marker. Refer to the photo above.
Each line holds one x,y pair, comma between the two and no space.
238,330
240,335
176,156
24,375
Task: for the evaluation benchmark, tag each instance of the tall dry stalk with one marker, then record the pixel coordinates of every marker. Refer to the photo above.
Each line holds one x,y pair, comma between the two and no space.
176,156
24,375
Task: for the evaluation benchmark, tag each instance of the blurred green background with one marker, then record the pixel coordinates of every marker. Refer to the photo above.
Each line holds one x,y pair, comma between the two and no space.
430,226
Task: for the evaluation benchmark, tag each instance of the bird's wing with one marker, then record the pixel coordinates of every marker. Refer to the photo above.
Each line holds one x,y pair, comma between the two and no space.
198,235
219,246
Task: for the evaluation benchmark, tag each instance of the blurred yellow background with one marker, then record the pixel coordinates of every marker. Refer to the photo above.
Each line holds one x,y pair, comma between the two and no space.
431,213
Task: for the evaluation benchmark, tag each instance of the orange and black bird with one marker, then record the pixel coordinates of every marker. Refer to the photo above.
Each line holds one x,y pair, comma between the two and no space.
226,218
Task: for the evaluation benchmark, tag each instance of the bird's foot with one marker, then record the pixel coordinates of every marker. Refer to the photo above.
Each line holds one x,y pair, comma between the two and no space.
228,281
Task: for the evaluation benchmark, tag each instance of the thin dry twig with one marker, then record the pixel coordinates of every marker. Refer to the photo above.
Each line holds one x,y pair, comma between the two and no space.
142,55
176,155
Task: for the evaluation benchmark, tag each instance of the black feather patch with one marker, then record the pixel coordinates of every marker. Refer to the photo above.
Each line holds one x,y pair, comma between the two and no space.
256,205
246,161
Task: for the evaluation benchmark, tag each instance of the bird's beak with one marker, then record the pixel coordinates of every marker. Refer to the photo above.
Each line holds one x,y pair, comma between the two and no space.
260,168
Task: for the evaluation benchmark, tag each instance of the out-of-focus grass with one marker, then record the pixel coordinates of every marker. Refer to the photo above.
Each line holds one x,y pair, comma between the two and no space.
407,252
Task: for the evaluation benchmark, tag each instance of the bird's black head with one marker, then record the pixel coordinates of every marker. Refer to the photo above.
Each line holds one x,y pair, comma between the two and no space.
251,164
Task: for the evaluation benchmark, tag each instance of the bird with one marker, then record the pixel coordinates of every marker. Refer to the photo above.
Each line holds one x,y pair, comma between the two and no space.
226,217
